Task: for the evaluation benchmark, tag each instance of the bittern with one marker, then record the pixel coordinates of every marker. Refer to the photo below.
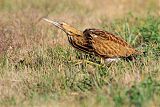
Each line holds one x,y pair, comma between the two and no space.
97,42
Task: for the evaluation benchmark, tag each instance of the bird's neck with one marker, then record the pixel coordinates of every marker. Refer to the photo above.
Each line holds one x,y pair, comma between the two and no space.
70,38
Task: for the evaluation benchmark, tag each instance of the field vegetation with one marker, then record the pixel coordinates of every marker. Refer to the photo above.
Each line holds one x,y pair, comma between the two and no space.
37,64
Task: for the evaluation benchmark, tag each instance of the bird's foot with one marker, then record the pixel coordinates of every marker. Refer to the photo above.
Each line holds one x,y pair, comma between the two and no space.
88,62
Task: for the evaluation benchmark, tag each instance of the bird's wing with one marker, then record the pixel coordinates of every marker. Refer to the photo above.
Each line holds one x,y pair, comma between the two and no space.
108,45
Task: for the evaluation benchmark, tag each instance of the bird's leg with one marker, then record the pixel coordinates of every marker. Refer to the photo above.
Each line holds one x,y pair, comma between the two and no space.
88,62
93,63
77,62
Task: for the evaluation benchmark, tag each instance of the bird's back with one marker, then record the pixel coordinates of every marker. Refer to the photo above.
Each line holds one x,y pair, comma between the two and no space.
107,45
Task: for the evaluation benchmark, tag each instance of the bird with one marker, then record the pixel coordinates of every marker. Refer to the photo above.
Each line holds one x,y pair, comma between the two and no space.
108,46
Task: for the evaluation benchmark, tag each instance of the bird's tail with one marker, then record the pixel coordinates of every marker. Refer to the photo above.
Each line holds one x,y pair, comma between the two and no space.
133,57
137,52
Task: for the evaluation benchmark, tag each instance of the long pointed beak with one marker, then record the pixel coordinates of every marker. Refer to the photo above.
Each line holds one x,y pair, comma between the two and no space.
55,23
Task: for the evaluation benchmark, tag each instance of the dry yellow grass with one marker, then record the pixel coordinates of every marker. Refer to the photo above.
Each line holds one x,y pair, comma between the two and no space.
36,60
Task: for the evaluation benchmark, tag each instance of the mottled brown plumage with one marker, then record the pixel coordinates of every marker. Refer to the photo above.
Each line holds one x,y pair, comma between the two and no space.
97,42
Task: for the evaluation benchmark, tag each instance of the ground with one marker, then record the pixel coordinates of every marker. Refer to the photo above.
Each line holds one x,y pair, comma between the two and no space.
38,64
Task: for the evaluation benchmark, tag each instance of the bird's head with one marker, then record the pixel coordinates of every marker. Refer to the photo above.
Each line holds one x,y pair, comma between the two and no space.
69,30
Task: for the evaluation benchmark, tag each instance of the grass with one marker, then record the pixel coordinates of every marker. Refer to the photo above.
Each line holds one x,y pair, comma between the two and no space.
37,66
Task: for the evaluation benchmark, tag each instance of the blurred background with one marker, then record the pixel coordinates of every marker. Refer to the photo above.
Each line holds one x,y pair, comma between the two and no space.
20,17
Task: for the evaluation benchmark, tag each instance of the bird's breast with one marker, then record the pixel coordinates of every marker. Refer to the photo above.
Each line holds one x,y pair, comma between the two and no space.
80,43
